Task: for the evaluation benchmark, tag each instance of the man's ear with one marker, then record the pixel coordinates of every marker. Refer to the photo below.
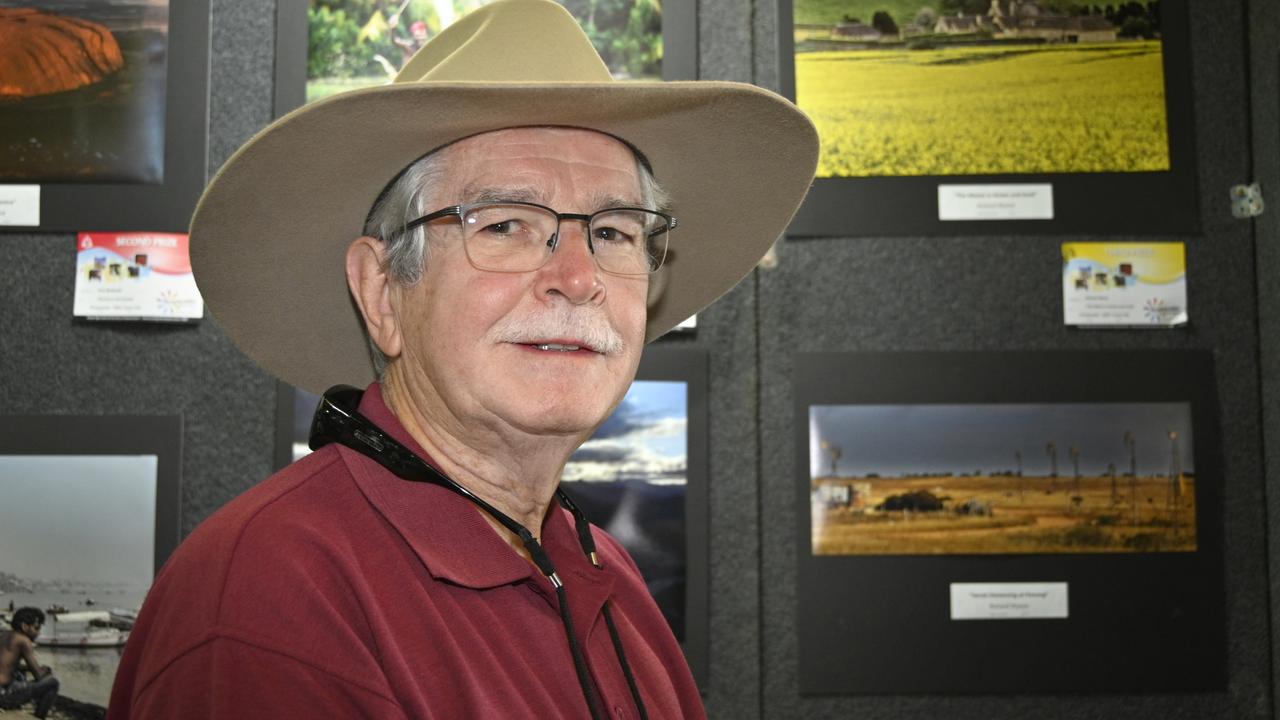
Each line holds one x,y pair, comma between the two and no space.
371,287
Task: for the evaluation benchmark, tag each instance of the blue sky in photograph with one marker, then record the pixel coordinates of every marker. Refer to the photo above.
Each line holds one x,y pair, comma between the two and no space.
81,517
894,440
646,438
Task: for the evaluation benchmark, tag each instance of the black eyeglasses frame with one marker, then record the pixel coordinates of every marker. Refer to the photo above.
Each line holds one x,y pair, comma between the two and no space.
460,211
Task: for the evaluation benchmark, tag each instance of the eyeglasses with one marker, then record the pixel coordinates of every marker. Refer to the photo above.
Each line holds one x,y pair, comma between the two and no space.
520,236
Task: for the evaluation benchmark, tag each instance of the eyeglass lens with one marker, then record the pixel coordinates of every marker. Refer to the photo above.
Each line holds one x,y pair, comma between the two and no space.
514,237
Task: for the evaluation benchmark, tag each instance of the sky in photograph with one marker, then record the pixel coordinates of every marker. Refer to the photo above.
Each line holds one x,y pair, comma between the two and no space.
117,15
81,517
894,440
646,438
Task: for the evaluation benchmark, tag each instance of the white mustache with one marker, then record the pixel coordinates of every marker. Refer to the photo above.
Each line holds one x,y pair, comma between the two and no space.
584,328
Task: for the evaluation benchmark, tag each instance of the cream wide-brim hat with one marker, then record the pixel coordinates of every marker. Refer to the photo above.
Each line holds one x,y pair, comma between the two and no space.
269,237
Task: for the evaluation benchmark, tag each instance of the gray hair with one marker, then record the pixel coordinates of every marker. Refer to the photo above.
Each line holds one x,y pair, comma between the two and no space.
407,198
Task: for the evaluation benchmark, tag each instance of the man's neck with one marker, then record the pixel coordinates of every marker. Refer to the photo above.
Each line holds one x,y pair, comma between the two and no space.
515,472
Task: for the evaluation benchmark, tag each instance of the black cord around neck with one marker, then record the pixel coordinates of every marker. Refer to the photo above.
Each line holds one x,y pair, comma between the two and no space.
337,420
589,547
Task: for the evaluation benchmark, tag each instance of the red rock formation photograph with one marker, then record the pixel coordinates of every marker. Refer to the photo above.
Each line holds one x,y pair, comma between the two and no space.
82,90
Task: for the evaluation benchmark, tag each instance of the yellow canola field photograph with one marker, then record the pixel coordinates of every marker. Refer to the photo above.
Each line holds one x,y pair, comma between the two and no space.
983,109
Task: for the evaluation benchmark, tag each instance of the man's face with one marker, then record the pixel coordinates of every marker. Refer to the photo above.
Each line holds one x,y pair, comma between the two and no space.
460,352
31,631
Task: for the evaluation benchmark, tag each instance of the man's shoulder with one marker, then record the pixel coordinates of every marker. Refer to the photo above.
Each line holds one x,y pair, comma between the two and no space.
259,575
252,530
306,486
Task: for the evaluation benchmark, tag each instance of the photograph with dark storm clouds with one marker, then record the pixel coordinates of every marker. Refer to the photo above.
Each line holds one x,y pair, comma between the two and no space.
1001,478
630,479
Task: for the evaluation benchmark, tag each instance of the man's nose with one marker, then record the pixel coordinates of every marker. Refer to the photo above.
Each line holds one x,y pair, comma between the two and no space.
571,271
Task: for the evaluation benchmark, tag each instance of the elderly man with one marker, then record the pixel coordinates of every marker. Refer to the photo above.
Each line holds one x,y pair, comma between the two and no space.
421,563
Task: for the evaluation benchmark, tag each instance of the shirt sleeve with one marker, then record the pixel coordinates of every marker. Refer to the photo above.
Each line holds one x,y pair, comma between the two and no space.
232,678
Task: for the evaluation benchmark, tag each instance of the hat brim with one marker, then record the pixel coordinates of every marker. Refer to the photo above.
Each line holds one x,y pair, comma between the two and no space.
270,234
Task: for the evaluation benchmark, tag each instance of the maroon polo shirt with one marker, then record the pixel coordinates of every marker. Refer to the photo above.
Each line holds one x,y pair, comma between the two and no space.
337,590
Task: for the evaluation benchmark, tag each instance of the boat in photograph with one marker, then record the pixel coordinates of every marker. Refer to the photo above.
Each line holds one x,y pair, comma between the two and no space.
90,636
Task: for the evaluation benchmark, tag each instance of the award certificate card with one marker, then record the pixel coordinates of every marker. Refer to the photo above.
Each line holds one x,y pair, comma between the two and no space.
1124,284
135,276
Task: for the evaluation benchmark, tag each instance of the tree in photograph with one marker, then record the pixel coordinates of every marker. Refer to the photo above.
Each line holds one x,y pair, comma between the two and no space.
332,47
1075,468
926,19
626,33
835,452
1017,460
883,22
1131,444
1173,497
362,38
963,7
1052,450
1062,7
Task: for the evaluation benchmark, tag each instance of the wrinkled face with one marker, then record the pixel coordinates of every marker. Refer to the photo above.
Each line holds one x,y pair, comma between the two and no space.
526,350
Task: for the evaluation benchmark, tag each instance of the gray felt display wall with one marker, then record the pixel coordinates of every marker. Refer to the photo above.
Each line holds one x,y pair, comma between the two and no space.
848,294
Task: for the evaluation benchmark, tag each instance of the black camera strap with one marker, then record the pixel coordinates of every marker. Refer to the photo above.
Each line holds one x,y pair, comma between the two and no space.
337,420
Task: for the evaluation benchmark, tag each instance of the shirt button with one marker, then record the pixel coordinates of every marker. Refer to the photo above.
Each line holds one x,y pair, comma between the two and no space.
619,712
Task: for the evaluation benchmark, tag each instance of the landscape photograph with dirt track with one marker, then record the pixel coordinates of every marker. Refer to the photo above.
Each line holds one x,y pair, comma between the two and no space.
1001,479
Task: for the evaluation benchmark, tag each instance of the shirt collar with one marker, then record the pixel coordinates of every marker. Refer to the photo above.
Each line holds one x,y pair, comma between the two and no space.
447,532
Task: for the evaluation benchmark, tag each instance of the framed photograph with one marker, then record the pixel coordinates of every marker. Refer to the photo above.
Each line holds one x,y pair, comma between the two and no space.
994,116
959,509
642,477
113,136
327,46
92,512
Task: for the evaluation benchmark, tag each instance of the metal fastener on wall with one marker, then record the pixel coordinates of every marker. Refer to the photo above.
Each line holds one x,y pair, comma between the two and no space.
1246,200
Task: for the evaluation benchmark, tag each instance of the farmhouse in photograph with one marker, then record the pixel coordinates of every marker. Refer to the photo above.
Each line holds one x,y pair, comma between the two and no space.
855,31
1025,19
962,24
835,492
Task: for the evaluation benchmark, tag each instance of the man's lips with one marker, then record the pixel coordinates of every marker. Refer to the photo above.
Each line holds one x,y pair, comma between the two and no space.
559,346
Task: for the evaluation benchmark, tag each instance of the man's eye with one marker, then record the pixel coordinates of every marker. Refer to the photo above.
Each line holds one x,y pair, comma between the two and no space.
613,235
502,228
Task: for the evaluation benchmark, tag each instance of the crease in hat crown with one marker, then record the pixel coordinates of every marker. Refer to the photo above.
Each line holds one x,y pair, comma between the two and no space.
512,42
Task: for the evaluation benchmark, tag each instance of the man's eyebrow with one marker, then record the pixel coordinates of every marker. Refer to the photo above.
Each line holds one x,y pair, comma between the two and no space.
602,201
501,194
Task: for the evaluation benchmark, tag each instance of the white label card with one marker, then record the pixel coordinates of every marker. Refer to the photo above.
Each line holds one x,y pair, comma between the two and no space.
1028,201
1008,601
20,205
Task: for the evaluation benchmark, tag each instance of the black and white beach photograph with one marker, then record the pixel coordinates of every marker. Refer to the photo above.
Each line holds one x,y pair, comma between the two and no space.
78,542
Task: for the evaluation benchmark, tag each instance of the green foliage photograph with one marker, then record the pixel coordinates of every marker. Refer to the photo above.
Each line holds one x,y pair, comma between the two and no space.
359,43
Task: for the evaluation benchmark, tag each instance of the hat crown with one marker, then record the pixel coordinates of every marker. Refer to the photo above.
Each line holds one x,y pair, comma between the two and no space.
511,41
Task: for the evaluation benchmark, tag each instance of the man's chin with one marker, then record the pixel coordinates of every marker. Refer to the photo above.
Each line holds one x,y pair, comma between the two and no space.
558,417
